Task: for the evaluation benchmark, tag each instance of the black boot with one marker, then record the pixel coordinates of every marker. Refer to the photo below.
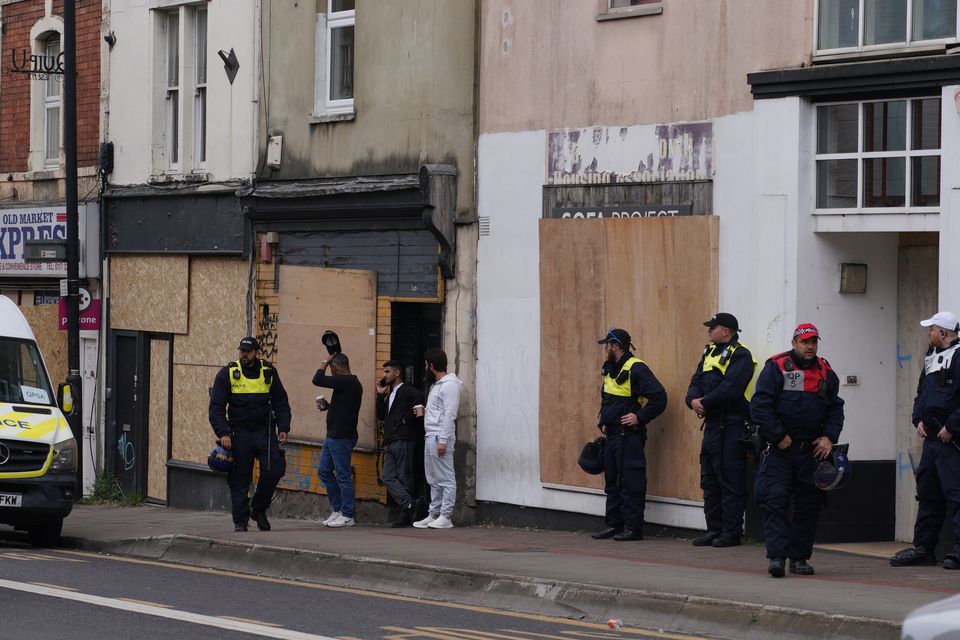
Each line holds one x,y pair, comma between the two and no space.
727,539
776,567
406,517
261,517
951,561
801,568
913,556
629,534
605,533
706,539
239,527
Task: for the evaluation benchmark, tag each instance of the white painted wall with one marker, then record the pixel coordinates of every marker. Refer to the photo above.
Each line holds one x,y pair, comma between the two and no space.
134,88
949,201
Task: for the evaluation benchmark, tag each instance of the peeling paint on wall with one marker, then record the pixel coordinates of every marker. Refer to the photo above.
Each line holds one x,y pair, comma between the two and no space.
648,153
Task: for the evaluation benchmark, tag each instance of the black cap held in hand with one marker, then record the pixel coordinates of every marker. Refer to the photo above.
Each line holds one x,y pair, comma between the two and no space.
727,320
249,344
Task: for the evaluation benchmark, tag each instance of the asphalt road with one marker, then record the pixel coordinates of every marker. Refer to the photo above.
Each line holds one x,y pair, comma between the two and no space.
53,593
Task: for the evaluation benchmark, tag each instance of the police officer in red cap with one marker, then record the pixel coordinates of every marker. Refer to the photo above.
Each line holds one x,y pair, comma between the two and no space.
799,413
631,398
246,397
719,393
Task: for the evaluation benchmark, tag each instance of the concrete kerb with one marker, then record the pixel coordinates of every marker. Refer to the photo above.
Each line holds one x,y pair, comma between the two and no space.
676,612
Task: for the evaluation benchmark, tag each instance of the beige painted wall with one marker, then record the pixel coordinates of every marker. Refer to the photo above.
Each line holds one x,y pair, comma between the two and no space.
547,64
413,91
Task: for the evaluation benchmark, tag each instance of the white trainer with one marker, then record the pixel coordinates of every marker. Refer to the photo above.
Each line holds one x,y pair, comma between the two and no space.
423,524
342,521
330,518
443,522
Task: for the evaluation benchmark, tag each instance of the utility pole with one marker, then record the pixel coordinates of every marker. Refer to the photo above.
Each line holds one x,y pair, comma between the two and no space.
73,229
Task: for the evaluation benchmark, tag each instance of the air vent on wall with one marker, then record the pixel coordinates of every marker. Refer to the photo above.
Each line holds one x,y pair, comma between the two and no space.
484,226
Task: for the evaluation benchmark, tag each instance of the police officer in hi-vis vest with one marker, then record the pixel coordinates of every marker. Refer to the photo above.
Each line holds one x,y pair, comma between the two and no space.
719,393
245,398
799,413
936,416
631,397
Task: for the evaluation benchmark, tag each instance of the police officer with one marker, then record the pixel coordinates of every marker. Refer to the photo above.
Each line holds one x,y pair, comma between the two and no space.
631,397
936,415
799,413
718,393
254,394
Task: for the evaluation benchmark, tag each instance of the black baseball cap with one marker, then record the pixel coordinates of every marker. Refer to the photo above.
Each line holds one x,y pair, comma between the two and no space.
727,320
249,344
617,336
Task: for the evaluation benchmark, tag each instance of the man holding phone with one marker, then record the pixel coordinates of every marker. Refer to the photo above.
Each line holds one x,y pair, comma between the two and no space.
402,431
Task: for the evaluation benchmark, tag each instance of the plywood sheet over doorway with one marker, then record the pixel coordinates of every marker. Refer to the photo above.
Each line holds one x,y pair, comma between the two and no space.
158,419
655,277
312,300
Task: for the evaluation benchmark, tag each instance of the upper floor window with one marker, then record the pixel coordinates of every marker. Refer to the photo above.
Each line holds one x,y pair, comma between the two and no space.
51,106
879,157
609,9
200,87
172,57
845,26
333,95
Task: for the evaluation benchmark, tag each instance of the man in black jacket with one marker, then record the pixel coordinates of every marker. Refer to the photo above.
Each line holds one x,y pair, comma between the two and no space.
253,391
342,417
402,430
719,394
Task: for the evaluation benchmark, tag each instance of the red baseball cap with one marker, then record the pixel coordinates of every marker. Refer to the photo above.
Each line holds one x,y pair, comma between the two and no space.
806,331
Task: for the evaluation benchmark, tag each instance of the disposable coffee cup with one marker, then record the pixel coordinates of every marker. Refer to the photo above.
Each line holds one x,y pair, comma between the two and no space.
322,403
418,408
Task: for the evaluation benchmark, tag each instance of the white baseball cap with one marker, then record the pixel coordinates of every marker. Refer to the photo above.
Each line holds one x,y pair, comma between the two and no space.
942,319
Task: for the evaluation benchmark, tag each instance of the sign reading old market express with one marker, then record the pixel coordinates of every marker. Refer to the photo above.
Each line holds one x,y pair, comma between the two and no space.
19,225
39,66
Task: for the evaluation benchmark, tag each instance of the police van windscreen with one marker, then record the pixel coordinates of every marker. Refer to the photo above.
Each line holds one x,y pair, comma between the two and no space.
22,376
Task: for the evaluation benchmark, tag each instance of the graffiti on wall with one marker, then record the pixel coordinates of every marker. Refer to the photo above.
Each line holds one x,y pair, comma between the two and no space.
645,153
267,333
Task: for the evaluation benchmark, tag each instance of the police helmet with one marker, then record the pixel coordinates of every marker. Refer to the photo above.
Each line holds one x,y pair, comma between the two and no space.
591,457
833,471
220,459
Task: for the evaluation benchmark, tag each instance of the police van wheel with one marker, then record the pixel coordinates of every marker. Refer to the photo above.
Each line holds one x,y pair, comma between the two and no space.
47,535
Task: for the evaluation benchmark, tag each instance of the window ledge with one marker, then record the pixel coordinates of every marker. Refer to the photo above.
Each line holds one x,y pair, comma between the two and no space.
879,53
325,118
178,178
48,173
632,12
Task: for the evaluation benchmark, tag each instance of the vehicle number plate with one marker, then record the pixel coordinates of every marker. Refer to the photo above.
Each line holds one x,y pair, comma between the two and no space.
11,500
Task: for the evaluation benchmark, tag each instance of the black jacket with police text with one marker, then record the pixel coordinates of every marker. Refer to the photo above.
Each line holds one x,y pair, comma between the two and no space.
938,398
642,383
723,393
229,411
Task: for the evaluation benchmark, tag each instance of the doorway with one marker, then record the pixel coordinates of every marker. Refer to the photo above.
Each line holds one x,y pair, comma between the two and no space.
414,328
126,442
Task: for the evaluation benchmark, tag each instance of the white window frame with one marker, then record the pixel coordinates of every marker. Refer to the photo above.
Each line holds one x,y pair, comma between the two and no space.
860,155
200,97
336,20
49,103
908,45
607,12
172,93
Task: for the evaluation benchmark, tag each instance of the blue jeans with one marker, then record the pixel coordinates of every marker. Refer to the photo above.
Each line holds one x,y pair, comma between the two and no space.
335,474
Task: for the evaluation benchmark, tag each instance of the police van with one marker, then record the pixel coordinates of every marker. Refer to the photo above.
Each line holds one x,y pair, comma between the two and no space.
38,453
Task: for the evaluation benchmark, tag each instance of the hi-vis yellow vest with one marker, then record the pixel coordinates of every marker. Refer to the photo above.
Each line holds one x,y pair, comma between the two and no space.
712,358
239,383
619,385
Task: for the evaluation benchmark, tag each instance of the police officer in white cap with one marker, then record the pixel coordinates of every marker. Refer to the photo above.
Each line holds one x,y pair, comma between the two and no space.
936,415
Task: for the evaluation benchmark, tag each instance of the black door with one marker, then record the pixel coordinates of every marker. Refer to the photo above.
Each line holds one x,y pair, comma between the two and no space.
415,327
129,438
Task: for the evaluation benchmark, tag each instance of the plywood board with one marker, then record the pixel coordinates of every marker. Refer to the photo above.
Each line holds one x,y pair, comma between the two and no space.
157,420
572,317
312,300
655,277
218,312
44,320
149,293
193,436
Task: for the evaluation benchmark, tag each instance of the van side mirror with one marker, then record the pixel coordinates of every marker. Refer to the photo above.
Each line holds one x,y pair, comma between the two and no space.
65,398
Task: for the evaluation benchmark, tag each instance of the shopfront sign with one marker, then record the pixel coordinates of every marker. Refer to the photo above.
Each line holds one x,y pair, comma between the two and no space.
17,226
622,211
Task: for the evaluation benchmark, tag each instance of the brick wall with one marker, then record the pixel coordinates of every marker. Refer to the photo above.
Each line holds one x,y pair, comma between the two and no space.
18,18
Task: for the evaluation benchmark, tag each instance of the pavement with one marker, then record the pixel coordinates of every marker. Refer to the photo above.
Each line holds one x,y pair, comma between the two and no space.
658,583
